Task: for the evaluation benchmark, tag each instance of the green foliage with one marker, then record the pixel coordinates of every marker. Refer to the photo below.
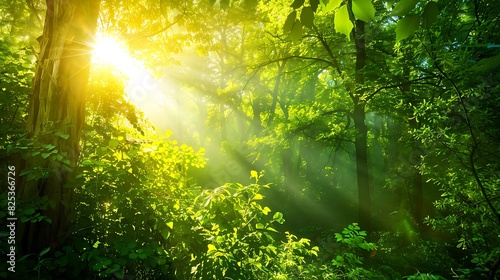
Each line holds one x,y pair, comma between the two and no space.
363,10
406,27
432,103
241,240
424,276
15,78
342,22
349,262
403,7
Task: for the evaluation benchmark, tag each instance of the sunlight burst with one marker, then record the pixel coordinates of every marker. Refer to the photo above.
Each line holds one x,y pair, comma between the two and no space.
111,51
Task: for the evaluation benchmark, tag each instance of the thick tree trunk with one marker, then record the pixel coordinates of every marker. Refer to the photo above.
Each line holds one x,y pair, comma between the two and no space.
360,141
56,113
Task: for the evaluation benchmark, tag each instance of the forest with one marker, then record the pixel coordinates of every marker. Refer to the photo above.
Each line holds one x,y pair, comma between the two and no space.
250,139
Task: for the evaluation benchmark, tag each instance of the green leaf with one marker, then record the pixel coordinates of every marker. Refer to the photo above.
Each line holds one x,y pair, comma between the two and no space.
170,225
403,7
296,33
259,226
307,17
297,4
430,15
62,135
254,174
44,251
49,147
113,143
271,229
363,10
332,5
278,217
290,20
342,22
314,4
486,64
46,155
406,27
211,247
258,196
266,210
29,211
165,232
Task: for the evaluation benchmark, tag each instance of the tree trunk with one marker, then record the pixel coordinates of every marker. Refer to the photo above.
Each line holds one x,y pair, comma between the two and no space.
360,141
56,114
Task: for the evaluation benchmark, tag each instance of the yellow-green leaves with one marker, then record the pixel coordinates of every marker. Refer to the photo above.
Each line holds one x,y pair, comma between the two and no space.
211,248
414,17
170,225
363,10
403,7
278,217
406,27
342,22
258,196
331,5
113,143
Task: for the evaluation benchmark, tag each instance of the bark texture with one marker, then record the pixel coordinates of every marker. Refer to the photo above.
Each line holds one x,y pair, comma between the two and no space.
360,142
56,111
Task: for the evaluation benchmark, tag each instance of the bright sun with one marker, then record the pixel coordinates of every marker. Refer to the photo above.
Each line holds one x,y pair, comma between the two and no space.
111,51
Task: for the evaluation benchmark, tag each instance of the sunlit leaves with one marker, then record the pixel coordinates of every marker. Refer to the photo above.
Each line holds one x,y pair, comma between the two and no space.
406,27
342,22
403,7
278,217
363,10
331,5
113,143
211,248
258,196
430,15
